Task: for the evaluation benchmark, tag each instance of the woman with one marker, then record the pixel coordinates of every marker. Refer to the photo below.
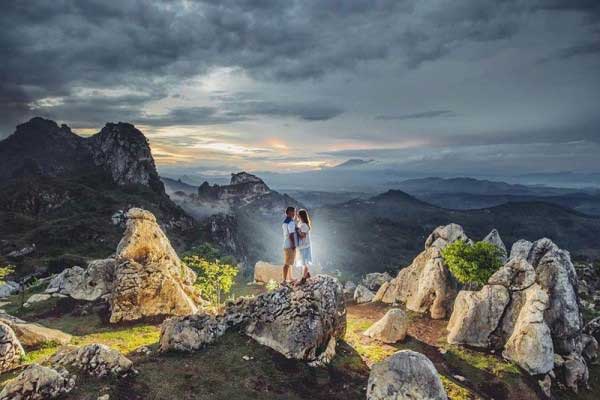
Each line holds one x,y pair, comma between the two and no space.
304,257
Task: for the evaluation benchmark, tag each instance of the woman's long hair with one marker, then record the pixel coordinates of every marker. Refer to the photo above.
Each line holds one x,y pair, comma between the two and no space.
303,214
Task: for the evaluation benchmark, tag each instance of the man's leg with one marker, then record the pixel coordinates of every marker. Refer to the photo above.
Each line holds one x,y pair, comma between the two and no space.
286,269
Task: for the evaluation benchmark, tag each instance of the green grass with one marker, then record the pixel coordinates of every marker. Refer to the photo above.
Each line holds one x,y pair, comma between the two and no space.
483,361
455,391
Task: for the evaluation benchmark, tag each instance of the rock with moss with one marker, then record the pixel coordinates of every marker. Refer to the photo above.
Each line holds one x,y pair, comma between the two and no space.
11,351
37,382
302,323
405,375
391,328
95,359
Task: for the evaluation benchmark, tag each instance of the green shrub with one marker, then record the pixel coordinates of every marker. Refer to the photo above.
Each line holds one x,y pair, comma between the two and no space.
215,278
472,263
5,271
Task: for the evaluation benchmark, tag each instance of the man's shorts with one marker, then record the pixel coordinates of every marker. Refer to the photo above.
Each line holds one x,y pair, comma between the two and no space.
289,255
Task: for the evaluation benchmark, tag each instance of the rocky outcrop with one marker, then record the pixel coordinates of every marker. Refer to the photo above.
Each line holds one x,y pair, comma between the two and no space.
95,359
391,328
265,272
150,279
494,238
536,321
373,281
38,383
363,295
11,350
405,375
349,288
302,323
8,289
32,335
427,285
90,284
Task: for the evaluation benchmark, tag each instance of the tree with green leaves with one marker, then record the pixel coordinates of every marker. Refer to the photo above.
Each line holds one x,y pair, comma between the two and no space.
215,277
472,263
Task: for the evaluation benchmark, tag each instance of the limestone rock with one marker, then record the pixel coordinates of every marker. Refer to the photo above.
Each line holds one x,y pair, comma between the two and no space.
88,284
391,328
265,272
150,279
530,345
381,293
520,248
363,295
593,328
373,281
38,383
8,289
494,238
444,235
516,274
574,372
11,350
349,287
34,335
405,375
96,359
36,298
476,315
302,323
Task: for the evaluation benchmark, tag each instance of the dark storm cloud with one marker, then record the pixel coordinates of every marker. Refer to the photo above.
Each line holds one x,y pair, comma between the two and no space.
418,115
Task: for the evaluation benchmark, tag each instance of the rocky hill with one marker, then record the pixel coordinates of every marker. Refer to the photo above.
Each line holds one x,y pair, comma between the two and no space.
65,193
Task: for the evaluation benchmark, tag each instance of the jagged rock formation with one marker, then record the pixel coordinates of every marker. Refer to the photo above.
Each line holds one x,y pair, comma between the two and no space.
494,238
405,375
427,284
302,323
391,328
38,383
349,288
145,278
34,335
363,295
530,310
11,350
95,359
373,281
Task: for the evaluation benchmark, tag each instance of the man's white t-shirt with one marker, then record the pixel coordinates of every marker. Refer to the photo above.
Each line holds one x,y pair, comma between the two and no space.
288,227
304,243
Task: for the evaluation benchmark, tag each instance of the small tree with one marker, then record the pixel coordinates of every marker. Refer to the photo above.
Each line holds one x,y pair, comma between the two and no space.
472,263
215,278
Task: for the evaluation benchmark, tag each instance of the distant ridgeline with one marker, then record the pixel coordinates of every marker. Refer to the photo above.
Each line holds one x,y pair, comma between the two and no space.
63,192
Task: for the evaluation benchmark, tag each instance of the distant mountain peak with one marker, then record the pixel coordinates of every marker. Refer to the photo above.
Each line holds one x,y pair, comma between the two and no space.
244,177
353,162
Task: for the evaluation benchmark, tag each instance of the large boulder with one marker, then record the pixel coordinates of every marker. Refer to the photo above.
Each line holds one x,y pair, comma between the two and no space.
32,335
494,238
373,281
11,350
363,295
391,328
95,359
444,235
8,289
90,284
476,315
405,375
150,279
302,323
38,383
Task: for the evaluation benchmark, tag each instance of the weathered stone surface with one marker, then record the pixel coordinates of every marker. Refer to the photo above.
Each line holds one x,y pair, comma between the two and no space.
349,288
520,248
150,279
10,349
381,293
373,281
9,288
265,272
302,323
33,335
391,328
574,372
530,345
96,359
36,298
38,383
88,284
363,295
444,235
476,315
405,375
516,274
494,238
593,328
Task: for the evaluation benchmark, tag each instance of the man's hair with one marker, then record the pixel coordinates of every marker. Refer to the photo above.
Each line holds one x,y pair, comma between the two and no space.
289,209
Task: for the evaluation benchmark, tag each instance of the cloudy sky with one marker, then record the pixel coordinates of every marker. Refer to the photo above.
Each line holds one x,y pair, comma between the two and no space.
441,86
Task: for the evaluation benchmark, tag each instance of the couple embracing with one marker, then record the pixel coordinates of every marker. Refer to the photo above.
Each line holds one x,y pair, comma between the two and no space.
296,244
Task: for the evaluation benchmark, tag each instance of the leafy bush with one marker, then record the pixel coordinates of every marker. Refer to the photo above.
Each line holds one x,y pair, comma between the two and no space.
272,285
472,263
215,278
5,271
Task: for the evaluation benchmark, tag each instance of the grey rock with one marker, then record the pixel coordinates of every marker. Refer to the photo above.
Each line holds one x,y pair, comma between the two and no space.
95,359
520,249
11,350
37,382
363,295
34,335
8,289
391,328
444,235
373,281
494,238
516,274
405,375
349,287
88,284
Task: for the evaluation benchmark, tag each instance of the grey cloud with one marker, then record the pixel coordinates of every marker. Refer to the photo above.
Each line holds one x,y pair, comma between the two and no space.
418,115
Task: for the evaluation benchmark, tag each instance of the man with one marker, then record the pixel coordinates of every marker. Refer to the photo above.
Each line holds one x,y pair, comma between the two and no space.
289,244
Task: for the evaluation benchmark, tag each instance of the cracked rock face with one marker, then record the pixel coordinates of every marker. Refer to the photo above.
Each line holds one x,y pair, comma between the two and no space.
88,284
11,350
149,278
38,383
375,280
363,295
302,323
96,359
391,328
405,375
494,238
